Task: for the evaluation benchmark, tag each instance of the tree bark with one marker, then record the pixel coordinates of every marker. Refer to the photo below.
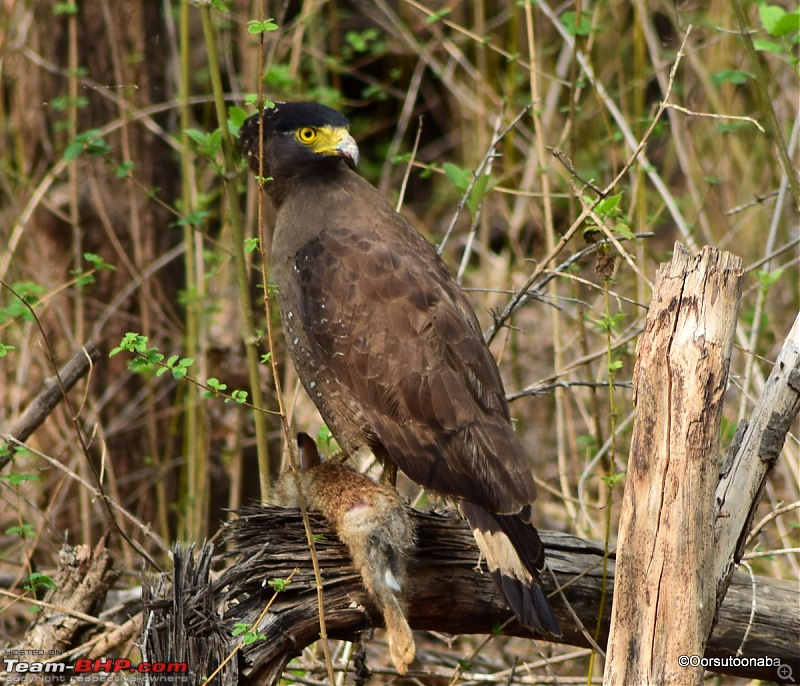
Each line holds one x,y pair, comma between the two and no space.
664,597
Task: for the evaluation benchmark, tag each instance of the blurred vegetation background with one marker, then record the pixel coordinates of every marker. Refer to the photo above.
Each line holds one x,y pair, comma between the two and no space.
121,215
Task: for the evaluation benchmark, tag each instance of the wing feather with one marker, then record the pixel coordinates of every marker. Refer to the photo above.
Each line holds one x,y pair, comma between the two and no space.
383,314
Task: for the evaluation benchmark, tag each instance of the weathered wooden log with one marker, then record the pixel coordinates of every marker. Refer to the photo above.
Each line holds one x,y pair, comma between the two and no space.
448,594
665,593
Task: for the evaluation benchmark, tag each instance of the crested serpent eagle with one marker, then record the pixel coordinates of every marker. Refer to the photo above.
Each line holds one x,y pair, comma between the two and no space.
387,344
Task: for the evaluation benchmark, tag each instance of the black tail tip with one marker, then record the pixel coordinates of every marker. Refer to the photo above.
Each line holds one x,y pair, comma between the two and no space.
529,604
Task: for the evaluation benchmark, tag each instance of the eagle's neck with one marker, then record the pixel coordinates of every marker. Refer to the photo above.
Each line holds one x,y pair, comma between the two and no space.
304,179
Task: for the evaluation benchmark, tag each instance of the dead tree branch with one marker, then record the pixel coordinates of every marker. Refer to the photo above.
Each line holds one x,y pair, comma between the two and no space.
52,394
448,594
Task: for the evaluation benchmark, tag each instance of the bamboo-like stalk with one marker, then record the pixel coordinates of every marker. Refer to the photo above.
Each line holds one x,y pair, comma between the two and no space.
242,270
194,444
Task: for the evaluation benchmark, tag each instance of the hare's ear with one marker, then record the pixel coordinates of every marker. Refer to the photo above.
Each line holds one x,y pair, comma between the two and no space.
309,457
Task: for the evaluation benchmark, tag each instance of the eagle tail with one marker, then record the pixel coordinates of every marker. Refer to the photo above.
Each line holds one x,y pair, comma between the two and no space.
515,556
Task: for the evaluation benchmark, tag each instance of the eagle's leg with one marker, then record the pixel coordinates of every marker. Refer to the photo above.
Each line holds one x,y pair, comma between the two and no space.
389,475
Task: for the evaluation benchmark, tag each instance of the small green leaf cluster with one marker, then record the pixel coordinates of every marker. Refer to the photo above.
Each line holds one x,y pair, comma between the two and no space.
89,142
781,25
613,479
768,279
37,580
248,635
85,277
15,479
218,389
462,178
363,42
29,291
24,531
608,209
278,585
66,8
145,358
257,27
150,360
208,143
577,27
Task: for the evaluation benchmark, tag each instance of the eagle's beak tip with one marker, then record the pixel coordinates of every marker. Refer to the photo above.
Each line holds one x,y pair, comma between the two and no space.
348,148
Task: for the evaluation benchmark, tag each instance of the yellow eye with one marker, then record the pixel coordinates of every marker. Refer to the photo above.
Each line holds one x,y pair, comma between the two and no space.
306,134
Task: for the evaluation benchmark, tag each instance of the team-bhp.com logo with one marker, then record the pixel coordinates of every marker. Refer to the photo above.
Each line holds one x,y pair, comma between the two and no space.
87,666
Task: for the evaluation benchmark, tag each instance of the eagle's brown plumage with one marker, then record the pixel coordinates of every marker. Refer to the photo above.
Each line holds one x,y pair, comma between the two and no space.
387,344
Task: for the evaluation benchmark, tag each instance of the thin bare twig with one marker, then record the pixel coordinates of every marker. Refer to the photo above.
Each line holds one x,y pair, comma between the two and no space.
518,299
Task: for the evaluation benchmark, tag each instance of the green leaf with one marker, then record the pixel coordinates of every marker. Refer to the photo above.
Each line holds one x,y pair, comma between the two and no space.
613,479
251,99
250,244
607,206
770,15
196,218
768,46
436,16
239,629
236,117
278,584
98,262
5,349
730,76
124,170
238,397
37,580
15,479
132,342
788,23
198,137
360,40
23,530
624,231
459,177
89,142
583,28
216,386
65,8
62,102
478,192
768,279
73,150
256,27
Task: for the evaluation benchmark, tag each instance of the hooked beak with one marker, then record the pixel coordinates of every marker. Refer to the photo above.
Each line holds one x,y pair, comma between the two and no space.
347,147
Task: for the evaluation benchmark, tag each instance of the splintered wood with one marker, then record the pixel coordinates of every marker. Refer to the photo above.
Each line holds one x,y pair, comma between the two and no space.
664,594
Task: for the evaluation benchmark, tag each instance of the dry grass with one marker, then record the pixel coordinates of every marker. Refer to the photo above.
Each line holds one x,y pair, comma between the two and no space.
174,459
